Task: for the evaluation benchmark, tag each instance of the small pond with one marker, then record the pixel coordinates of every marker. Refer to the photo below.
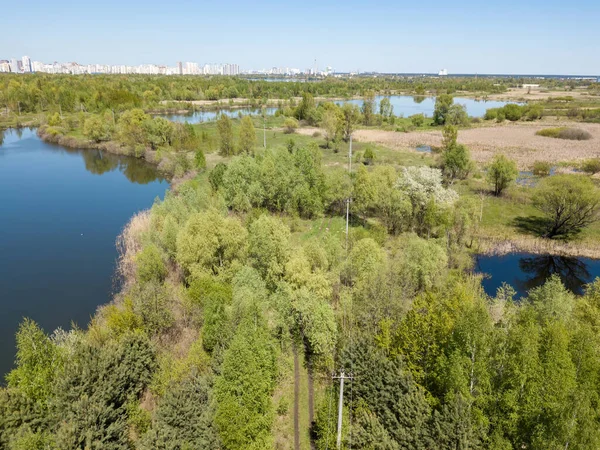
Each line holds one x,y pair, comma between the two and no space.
525,271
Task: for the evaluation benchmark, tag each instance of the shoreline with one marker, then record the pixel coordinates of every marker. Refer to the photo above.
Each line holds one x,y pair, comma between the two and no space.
491,246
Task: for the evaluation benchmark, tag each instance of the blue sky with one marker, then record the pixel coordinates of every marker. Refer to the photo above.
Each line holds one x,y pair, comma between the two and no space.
541,37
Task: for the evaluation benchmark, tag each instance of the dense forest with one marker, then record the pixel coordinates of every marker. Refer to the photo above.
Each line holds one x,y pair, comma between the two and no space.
243,266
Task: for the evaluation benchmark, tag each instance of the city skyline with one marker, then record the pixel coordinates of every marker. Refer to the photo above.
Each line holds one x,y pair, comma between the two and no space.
389,37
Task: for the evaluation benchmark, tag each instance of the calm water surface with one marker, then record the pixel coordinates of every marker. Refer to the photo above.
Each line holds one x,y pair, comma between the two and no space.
61,211
525,271
406,105
205,116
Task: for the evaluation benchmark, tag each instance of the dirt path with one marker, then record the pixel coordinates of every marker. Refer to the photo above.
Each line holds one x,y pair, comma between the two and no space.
311,402
296,401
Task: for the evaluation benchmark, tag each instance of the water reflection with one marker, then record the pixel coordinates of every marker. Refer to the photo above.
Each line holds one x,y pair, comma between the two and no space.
100,162
525,271
573,272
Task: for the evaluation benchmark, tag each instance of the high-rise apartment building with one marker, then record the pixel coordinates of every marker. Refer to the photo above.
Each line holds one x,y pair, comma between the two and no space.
26,63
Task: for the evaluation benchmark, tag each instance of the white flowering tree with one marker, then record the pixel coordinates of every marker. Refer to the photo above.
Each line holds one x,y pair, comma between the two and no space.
431,201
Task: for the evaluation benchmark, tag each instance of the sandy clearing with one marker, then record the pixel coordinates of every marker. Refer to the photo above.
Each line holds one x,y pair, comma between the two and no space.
516,140
539,94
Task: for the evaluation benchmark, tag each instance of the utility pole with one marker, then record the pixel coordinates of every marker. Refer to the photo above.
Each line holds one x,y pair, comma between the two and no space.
264,114
348,199
342,377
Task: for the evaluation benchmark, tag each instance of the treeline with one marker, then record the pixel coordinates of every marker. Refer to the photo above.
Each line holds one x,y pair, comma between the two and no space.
96,93
175,147
235,269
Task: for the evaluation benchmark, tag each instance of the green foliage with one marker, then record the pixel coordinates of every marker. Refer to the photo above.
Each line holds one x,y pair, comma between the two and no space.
542,168
443,102
247,136
93,389
369,156
241,185
225,130
368,108
37,362
591,166
290,125
209,242
98,127
501,173
269,247
418,120
569,203
456,162
199,159
244,412
215,177
183,418
150,265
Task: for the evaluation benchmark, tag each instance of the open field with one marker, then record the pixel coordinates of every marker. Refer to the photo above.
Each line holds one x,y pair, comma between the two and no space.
516,140
540,94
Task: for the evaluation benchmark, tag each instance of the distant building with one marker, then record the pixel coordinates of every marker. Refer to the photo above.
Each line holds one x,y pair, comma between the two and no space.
443,73
26,63
531,86
180,68
14,65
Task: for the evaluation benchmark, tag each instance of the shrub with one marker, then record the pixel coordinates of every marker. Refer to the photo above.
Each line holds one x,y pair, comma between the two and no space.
491,114
591,166
290,125
369,156
417,120
573,134
513,112
541,168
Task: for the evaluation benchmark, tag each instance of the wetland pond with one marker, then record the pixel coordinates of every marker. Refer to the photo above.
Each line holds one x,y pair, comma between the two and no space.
404,105
525,271
61,211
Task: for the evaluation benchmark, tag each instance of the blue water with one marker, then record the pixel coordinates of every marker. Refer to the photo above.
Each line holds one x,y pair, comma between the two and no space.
205,116
61,211
525,271
405,105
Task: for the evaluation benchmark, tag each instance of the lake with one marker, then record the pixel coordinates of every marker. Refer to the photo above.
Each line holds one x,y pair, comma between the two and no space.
525,271
61,212
406,105
205,116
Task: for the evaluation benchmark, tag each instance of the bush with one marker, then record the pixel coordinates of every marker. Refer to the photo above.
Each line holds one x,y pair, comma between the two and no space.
573,134
513,112
417,120
491,114
369,156
290,125
591,166
541,168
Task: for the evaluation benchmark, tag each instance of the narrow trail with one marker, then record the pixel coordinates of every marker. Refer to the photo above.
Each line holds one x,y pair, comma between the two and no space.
311,403
296,401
